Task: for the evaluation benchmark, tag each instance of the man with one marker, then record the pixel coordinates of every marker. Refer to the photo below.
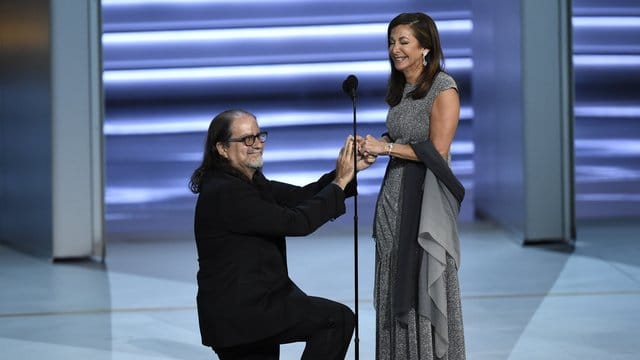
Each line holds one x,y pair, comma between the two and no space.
247,304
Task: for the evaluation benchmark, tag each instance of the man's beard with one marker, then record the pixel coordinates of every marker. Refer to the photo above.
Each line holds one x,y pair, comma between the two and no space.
255,163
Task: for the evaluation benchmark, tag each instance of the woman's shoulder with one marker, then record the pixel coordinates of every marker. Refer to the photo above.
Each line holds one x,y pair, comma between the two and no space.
445,81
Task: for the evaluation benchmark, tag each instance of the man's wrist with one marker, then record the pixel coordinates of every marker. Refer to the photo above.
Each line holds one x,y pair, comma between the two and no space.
340,184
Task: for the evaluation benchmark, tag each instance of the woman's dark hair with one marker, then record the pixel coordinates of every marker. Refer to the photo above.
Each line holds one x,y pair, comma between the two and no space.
426,32
219,131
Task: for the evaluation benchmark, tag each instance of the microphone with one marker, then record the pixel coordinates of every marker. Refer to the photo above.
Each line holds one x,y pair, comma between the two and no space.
350,85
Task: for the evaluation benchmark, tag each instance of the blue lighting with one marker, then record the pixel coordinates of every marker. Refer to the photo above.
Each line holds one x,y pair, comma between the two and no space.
174,124
230,35
235,72
603,111
609,61
166,74
140,195
602,197
284,34
122,195
597,174
607,22
608,148
181,3
262,71
317,153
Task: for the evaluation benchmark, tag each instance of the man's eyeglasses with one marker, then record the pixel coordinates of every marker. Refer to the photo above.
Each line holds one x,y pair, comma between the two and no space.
251,139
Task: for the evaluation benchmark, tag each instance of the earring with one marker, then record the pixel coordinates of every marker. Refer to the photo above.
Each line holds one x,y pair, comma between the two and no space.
424,57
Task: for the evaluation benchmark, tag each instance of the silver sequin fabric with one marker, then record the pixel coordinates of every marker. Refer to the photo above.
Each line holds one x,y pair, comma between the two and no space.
409,122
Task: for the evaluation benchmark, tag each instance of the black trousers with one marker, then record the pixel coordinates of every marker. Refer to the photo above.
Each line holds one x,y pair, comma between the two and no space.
327,330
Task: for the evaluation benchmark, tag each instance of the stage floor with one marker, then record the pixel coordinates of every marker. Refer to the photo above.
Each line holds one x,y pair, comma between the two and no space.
519,302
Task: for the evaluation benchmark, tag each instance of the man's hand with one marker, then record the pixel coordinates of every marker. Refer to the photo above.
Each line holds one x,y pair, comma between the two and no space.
344,164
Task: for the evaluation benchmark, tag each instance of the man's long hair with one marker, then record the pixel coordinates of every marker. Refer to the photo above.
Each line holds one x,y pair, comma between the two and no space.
219,131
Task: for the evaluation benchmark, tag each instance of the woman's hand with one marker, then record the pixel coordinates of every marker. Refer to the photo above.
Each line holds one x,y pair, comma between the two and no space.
364,161
371,146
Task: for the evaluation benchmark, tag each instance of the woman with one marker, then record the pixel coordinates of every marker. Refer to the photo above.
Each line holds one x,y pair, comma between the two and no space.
417,296
247,304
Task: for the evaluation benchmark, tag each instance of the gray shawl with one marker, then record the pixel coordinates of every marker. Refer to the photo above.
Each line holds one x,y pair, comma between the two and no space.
428,232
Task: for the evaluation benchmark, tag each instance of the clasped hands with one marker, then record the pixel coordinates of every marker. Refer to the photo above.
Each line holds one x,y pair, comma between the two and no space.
368,148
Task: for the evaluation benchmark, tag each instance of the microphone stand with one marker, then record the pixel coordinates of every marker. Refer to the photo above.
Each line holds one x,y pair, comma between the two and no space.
355,225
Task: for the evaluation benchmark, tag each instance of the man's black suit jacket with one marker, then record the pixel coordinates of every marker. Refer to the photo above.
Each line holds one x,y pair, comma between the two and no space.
244,291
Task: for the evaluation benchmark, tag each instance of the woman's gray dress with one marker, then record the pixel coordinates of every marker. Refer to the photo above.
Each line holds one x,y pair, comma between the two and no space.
409,122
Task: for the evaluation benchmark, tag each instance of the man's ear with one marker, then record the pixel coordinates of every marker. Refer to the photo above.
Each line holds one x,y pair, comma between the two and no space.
222,150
